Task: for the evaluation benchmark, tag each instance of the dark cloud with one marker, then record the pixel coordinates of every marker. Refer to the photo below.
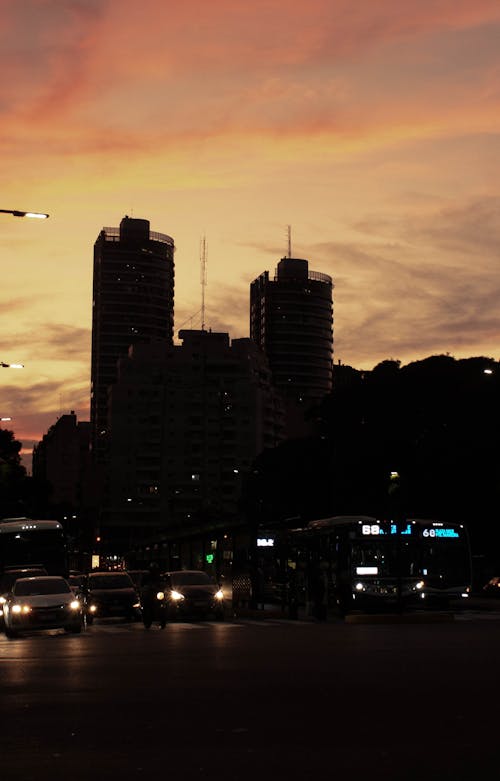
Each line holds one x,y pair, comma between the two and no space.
18,305
395,299
53,341
36,398
469,229
466,228
227,308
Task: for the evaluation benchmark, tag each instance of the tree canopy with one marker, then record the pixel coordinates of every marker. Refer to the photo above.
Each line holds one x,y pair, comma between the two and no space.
434,422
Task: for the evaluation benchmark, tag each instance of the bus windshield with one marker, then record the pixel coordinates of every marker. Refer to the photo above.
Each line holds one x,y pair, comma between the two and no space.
442,556
385,557
27,547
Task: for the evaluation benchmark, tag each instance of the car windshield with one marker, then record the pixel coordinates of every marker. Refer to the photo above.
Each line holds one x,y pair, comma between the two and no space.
190,579
35,586
110,581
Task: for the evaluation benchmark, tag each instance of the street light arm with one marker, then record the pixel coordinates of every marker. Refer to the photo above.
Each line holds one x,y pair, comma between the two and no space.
17,213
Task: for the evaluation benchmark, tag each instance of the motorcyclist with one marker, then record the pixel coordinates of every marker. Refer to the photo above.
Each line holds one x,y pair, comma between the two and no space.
153,597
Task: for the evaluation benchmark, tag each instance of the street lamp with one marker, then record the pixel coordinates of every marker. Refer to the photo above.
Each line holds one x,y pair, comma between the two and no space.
11,365
17,213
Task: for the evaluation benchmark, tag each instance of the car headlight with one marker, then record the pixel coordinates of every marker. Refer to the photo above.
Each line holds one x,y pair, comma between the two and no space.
160,595
176,596
74,605
420,585
92,608
21,608
136,605
219,594
2,600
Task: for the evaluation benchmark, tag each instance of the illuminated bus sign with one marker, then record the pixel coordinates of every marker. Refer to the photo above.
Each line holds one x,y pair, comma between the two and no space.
375,530
441,531
265,542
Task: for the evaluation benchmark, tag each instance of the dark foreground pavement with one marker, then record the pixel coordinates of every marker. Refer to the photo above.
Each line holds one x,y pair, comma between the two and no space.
261,700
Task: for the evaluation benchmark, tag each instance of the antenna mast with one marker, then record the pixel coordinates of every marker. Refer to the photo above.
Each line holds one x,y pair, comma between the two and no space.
203,275
289,230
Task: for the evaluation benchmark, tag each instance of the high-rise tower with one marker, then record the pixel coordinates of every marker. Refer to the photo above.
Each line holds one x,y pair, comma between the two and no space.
291,319
133,302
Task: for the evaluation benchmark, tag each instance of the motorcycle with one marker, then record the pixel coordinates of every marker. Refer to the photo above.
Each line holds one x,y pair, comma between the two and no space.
153,606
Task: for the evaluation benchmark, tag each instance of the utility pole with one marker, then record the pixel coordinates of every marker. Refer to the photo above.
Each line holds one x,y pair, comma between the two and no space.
289,231
203,275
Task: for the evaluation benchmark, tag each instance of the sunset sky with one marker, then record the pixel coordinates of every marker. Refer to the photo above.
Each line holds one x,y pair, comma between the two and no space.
371,127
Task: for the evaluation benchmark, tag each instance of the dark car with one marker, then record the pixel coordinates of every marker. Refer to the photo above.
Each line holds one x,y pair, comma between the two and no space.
111,595
42,602
77,581
194,594
137,575
9,577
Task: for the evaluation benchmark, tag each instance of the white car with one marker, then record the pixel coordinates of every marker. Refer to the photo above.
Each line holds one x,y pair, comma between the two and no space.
43,602
8,579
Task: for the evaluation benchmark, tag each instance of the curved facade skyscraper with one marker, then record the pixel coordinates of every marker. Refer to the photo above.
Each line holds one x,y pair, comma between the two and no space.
133,302
291,319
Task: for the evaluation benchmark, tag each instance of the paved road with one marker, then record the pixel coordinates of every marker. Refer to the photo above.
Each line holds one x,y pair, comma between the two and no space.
249,699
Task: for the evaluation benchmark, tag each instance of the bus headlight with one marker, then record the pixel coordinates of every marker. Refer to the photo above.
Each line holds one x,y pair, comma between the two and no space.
75,605
419,585
359,587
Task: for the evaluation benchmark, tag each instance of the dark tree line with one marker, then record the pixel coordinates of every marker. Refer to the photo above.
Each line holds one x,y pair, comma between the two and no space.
434,422
12,475
20,495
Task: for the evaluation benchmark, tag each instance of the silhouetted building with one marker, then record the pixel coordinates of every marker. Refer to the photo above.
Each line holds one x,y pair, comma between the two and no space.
61,458
185,425
291,319
133,302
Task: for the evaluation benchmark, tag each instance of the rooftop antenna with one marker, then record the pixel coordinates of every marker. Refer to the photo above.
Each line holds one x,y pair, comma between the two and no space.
203,275
289,231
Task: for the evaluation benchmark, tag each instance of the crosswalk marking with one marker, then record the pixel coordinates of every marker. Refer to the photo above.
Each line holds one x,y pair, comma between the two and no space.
240,623
117,628
183,626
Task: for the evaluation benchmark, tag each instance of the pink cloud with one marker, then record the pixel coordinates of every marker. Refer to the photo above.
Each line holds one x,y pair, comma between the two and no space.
67,55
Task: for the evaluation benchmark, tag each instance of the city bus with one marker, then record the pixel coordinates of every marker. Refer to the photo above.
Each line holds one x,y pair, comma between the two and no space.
372,563
28,543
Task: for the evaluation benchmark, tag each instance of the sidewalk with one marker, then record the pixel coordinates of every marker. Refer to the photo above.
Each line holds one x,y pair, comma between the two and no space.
276,611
